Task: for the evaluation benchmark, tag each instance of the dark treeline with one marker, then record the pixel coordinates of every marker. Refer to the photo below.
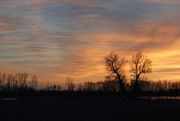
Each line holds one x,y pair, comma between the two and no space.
145,88
114,86
20,85
109,89
17,84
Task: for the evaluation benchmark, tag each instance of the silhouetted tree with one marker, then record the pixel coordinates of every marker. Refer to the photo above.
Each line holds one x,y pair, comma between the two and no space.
59,88
165,85
80,87
144,85
54,88
89,86
34,82
115,65
174,86
139,64
17,83
99,86
22,79
111,85
70,84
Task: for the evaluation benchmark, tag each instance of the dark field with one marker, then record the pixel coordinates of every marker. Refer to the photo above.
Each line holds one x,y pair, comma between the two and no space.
82,110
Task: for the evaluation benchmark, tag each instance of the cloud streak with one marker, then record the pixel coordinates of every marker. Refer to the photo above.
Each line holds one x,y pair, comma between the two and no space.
55,39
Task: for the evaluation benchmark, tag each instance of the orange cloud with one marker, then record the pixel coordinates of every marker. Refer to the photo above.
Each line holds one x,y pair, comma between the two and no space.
56,39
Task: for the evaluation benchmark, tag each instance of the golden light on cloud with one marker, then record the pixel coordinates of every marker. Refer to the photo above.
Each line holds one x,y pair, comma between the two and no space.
57,39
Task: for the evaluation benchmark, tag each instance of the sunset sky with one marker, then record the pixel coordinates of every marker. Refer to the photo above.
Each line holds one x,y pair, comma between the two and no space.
55,39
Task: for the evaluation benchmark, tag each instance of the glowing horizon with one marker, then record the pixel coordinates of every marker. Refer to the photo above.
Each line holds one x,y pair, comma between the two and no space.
69,38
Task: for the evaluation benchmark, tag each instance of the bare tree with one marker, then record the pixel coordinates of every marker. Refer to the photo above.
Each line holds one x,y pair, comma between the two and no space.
54,88
139,64
17,82
89,86
70,84
59,88
22,79
111,86
80,87
115,65
34,82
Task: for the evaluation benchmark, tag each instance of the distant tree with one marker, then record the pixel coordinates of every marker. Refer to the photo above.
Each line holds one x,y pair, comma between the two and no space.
70,84
115,65
22,79
34,82
165,85
80,87
99,86
54,88
2,80
17,83
89,86
111,85
9,78
59,88
139,64
174,86
144,85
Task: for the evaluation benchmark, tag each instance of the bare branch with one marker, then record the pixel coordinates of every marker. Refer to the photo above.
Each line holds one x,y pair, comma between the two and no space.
115,65
140,64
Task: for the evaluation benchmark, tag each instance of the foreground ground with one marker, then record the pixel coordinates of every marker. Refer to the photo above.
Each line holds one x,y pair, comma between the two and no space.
83,110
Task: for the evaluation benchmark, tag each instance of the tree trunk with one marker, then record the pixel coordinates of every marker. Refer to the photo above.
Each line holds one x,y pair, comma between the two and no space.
135,84
121,84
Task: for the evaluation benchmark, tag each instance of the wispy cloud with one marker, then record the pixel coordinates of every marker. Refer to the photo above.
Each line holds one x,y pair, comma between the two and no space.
56,39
